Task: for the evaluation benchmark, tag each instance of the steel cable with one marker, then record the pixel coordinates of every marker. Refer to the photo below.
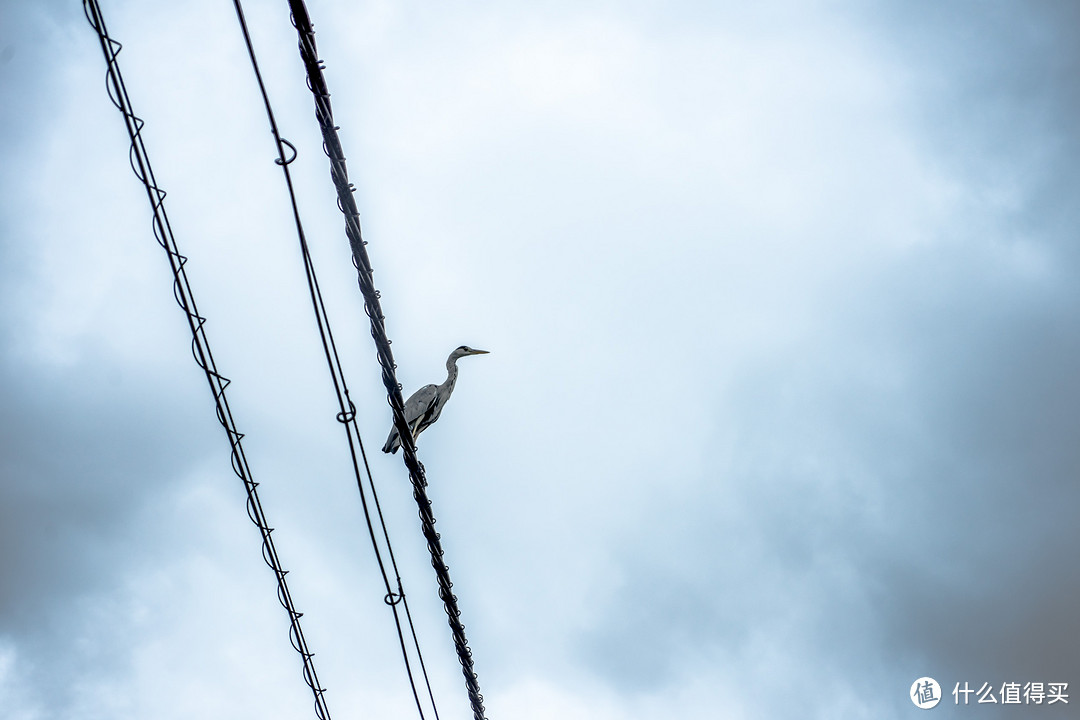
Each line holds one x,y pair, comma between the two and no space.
140,164
287,153
346,203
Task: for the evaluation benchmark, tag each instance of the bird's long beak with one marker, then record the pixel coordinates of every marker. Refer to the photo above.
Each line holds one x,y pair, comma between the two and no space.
478,352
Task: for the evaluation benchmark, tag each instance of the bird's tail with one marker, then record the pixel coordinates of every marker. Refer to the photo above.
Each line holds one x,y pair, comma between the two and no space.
392,443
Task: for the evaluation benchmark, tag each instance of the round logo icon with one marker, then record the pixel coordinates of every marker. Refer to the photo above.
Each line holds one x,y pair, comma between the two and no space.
925,693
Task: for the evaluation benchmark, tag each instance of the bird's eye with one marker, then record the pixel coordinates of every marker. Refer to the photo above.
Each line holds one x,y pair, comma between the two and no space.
464,347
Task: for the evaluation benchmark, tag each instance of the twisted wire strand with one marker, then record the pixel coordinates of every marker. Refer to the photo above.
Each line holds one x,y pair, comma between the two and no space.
338,173
395,596
200,346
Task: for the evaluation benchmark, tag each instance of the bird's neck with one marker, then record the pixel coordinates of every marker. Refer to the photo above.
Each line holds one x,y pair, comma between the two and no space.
451,374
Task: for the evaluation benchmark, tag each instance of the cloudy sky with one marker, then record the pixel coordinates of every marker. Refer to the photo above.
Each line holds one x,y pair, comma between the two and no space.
781,407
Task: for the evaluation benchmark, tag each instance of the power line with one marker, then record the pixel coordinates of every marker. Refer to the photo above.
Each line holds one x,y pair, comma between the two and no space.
332,146
347,411
140,164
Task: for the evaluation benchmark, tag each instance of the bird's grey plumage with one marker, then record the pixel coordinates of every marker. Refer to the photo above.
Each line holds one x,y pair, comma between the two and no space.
426,404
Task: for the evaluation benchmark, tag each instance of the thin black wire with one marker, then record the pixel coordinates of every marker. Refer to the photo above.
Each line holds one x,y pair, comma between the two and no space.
347,411
332,147
140,164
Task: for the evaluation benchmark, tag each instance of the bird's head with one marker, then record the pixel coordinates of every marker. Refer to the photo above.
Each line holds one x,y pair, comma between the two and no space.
466,350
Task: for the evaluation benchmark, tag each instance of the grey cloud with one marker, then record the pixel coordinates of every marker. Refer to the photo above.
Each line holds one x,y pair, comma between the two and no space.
904,480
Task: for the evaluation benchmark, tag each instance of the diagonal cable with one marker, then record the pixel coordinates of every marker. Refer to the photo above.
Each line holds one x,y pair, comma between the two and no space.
140,164
347,205
395,596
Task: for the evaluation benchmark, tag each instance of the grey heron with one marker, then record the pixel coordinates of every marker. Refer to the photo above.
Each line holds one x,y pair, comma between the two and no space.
426,404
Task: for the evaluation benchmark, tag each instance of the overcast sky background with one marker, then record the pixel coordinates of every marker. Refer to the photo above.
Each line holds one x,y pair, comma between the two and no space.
780,412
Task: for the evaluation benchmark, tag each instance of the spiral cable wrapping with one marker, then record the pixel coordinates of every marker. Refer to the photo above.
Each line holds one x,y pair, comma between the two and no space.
182,292
332,147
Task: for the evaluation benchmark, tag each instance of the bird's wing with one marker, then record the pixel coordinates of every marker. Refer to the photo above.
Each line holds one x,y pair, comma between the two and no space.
417,408
420,402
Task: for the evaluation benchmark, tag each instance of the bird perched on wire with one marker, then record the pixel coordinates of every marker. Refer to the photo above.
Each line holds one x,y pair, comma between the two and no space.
427,403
